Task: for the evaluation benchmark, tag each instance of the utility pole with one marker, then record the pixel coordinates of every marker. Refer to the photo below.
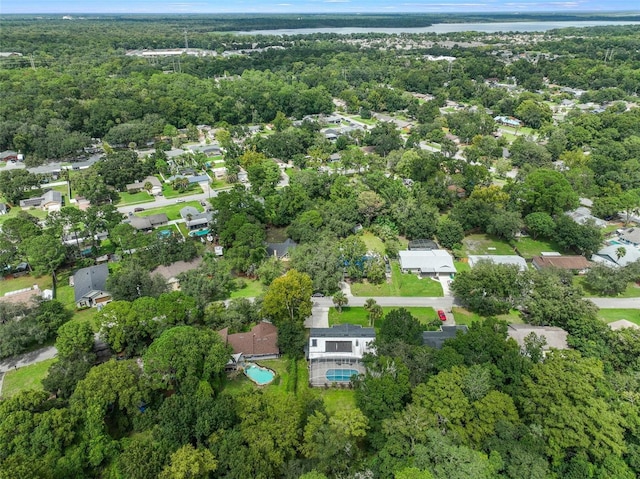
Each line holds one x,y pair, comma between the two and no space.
186,41
33,63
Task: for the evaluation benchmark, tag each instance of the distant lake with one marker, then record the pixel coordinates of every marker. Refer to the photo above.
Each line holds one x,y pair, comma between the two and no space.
446,28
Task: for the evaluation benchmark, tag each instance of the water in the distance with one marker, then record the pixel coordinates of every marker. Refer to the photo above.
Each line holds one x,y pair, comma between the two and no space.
446,28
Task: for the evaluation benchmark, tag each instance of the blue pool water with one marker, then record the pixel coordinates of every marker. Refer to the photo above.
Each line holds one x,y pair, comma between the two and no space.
341,375
259,375
164,233
614,242
199,232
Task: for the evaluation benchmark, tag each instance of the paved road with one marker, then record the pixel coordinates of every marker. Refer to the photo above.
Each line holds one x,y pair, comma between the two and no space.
445,303
161,201
616,303
27,359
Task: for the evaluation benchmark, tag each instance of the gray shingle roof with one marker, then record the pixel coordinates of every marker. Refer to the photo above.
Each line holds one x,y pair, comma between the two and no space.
436,339
90,279
343,331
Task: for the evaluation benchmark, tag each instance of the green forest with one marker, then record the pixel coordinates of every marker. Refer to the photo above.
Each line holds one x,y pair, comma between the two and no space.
422,148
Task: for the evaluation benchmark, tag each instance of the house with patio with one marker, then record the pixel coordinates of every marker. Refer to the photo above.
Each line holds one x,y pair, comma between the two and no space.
49,201
435,263
195,219
335,354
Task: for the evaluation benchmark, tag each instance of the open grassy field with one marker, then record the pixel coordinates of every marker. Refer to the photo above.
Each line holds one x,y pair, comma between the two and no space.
485,244
28,377
172,211
134,198
400,285
169,192
337,399
464,316
252,288
283,384
611,315
358,315
528,247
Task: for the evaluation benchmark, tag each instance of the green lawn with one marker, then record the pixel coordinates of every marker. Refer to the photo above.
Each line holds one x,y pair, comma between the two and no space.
282,384
28,377
134,198
251,289
219,184
400,285
338,399
22,282
528,247
462,266
358,315
464,316
373,242
611,315
367,121
172,211
478,244
169,192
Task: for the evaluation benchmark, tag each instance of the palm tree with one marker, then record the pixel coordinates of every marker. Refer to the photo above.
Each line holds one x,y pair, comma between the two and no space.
620,252
340,300
369,303
375,313
148,186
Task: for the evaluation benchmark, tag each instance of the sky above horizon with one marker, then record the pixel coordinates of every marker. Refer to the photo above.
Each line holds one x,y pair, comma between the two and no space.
310,6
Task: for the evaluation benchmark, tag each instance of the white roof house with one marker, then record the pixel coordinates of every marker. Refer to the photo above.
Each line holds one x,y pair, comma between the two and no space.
499,259
435,261
343,340
609,255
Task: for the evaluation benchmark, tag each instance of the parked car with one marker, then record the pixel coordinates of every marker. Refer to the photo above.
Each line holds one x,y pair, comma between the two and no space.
180,200
441,315
317,295
138,209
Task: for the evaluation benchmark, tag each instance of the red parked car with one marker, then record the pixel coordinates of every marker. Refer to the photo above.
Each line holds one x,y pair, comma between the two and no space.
441,315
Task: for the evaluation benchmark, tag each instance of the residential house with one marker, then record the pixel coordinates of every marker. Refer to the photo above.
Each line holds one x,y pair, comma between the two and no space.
556,338
171,272
155,190
436,339
9,155
437,262
281,250
499,259
89,286
50,201
574,263
582,215
147,223
259,343
335,354
508,121
195,219
611,255
630,236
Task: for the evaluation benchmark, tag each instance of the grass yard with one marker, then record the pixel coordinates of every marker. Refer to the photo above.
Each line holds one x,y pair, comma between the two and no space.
477,244
367,121
464,316
528,247
373,242
252,288
28,377
462,266
134,198
172,211
219,185
169,192
283,384
338,399
358,315
400,285
22,282
611,315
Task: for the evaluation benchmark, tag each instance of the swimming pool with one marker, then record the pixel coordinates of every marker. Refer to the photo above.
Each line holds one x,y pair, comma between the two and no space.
341,375
614,242
199,232
259,375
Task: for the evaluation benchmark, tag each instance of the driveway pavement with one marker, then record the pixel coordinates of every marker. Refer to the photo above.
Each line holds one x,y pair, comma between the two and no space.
27,359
